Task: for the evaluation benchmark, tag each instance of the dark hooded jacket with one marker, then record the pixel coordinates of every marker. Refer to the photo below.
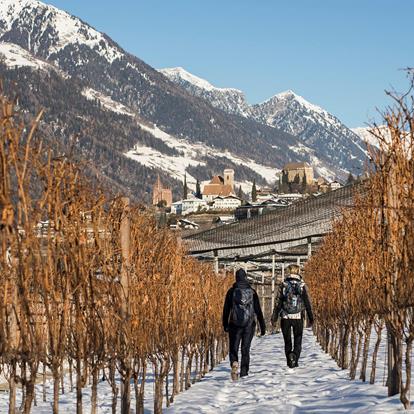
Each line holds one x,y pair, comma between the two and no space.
242,283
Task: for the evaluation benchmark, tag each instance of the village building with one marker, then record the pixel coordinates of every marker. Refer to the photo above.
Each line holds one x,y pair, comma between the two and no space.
193,205
219,186
300,173
290,197
161,195
334,185
226,203
264,197
177,207
321,181
264,191
322,184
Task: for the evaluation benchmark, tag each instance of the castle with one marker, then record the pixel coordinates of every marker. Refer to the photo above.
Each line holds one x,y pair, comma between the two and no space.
297,172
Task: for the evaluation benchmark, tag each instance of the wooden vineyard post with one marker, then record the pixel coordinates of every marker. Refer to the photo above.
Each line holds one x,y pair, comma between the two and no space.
263,295
125,248
394,347
273,282
125,234
216,261
309,247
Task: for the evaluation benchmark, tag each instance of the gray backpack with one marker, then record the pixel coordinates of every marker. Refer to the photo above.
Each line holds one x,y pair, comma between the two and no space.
292,296
242,312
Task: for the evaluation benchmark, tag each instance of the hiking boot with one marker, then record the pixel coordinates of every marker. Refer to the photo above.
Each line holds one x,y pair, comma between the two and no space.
235,371
243,373
292,363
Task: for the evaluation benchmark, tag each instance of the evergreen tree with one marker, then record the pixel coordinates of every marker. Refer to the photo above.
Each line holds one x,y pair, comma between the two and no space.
240,193
185,191
304,184
198,190
284,186
350,179
254,191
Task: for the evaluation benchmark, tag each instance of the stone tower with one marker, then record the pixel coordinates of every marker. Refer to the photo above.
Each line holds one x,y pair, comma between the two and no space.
229,177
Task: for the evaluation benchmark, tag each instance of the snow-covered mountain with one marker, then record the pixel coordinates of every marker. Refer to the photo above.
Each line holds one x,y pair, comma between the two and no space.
324,136
230,100
316,127
122,109
365,133
105,96
46,30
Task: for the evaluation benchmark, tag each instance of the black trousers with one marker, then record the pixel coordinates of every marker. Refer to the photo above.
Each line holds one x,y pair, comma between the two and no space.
244,336
287,325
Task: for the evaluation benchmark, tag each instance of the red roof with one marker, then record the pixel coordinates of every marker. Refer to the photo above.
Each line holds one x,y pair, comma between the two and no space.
217,189
217,180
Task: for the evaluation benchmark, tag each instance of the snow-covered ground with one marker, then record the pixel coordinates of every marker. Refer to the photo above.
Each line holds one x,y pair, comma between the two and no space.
316,386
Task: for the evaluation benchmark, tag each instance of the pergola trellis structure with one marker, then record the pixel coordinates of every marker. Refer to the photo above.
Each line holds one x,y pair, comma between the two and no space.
265,244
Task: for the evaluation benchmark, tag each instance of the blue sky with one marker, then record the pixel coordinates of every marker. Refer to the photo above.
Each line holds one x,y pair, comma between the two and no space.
340,55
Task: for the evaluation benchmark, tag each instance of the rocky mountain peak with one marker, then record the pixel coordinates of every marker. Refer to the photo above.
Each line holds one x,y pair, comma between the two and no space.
230,100
46,30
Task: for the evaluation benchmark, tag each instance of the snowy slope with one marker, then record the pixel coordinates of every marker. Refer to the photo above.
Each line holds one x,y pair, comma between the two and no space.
228,99
15,56
60,28
107,102
192,154
365,134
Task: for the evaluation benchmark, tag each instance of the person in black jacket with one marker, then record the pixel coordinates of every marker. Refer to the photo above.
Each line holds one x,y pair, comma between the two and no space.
241,307
292,301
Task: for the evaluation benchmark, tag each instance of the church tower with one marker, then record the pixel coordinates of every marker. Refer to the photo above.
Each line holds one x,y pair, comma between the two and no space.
229,178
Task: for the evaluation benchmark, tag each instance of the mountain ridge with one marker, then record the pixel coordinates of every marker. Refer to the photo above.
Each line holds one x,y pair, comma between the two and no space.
291,113
111,79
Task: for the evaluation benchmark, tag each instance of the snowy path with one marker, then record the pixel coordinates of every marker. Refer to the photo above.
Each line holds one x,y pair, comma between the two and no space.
317,386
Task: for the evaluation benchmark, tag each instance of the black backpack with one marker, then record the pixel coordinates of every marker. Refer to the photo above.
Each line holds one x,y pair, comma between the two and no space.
242,312
292,296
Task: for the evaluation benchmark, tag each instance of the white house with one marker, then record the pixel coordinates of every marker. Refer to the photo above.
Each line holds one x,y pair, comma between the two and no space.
226,203
334,185
292,197
192,205
177,208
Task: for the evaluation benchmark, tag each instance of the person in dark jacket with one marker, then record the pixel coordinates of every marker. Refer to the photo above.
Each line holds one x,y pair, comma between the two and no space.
241,308
292,302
